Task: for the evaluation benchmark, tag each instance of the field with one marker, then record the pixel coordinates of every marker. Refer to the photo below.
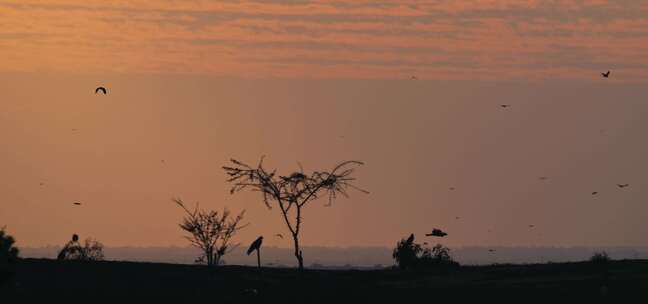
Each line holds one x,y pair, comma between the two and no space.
614,280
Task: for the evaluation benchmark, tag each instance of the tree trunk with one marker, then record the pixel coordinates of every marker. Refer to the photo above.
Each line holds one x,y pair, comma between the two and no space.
298,252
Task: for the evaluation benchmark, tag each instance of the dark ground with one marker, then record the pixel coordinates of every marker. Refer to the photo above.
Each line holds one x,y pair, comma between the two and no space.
99,280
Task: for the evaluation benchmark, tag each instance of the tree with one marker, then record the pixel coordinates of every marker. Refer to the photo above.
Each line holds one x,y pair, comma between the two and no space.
410,255
91,250
293,192
8,257
210,231
406,253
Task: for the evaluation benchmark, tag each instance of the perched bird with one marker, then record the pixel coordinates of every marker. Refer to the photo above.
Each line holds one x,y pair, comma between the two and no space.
256,245
75,238
606,75
437,232
101,89
410,239
279,235
623,185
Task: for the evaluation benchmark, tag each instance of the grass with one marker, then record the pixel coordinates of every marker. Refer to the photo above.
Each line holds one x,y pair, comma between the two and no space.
582,280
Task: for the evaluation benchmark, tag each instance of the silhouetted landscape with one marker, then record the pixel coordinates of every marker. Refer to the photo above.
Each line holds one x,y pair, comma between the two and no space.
310,151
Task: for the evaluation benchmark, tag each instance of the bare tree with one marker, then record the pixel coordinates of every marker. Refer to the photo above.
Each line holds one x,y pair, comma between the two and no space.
210,231
293,192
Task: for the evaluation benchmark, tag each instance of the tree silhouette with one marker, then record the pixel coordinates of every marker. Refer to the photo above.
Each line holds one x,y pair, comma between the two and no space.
210,231
291,193
8,257
90,250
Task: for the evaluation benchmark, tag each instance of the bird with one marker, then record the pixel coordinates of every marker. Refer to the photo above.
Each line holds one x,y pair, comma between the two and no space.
75,238
542,178
456,217
77,204
101,89
256,245
595,193
451,188
413,77
279,235
531,226
410,239
606,75
623,185
491,250
505,105
42,184
437,232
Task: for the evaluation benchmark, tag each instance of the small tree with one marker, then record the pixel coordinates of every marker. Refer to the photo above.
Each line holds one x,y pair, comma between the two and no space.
210,231
410,255
292,192
8,253
90,250
406,253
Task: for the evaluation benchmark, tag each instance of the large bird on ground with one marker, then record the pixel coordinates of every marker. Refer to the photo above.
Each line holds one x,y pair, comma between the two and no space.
256,245
101,89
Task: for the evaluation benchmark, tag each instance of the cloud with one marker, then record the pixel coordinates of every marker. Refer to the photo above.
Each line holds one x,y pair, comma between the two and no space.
488,38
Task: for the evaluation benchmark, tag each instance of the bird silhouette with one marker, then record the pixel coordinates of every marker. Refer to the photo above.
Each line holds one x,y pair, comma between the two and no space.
505,105
101,89
451,188
531,226
77,204
279,235
413,77
542,178
255,245
491,250
595,193
606,75
437,232
456,217
410,239
623,185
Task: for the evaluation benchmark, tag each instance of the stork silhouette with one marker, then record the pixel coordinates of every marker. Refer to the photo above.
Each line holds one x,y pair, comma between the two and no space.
256,245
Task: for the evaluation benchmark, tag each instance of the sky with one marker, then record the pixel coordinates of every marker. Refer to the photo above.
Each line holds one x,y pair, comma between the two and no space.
192,84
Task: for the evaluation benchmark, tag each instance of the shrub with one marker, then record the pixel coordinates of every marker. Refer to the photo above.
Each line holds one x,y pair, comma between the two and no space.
8,257
91,250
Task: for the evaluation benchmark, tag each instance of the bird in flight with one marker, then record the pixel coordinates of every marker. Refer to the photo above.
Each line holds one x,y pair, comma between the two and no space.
505,105
101,89
456,217
413,77
623,185
606,75
595,193
531,226
451,188
77,204
542,178
279,235
491,250
437,232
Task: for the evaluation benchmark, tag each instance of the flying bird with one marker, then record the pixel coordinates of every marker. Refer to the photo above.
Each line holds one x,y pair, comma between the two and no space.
505,105
451,188
606,75
491,250
595,193
279,235
101,89
256,245
77,204
437,232
413,77
531,226
456,217
542,178
623,185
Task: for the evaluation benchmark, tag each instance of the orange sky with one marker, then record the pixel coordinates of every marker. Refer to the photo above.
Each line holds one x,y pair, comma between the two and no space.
194,83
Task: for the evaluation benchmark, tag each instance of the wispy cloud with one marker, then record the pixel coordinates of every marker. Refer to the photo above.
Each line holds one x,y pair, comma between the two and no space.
483,39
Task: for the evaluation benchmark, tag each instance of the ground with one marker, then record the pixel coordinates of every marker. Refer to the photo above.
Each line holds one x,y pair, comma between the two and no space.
99,280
